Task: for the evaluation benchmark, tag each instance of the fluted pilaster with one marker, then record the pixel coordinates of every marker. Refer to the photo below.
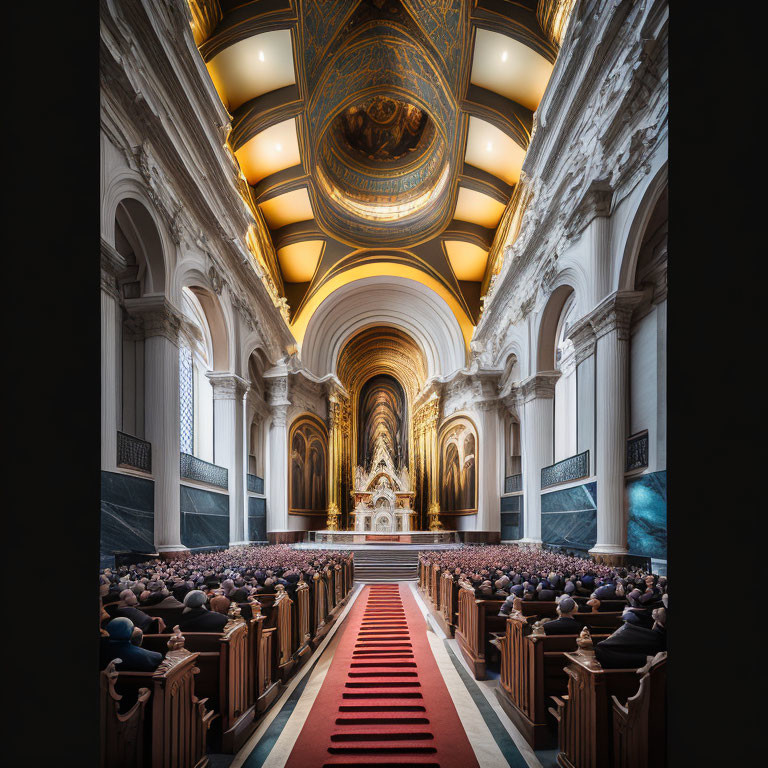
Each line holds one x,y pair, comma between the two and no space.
277,498
161,323
537,406
229,420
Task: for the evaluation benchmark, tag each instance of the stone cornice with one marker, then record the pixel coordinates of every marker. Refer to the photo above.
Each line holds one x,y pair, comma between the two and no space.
227,386
583,337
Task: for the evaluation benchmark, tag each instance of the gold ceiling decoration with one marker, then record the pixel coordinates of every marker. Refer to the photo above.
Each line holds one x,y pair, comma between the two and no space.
379,97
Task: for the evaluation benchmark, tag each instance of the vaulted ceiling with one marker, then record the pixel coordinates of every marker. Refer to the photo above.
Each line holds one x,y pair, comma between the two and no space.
385,134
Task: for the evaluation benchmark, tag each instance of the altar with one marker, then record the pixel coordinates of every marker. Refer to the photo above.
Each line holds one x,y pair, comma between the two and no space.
383,499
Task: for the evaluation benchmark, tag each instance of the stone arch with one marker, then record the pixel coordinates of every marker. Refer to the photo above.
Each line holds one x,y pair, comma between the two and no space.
548,327
633,239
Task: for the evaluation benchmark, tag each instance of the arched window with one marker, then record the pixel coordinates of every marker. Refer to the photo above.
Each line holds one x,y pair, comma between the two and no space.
195,390
565,388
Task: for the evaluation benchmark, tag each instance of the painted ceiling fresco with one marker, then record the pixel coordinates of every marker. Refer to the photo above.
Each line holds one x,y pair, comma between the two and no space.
389,136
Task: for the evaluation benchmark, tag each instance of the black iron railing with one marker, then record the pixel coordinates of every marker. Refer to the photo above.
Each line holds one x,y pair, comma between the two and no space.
255,483
637,451
572,468
134,452
193,468
513,483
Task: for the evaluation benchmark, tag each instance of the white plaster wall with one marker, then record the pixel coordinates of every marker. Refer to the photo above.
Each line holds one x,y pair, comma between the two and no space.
565,416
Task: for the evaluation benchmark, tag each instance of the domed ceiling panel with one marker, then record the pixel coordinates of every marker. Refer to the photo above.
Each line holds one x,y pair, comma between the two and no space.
392,132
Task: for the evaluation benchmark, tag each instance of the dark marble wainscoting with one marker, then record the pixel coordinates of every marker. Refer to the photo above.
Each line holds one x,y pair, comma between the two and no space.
569,516
204,518
511,509
286,537
479,537
127,515
647,504
257,519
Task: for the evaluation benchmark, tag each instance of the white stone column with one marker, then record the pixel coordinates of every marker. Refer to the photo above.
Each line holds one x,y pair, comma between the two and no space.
277,457
161,321
537,395
112,263
487,467
610,322
229,441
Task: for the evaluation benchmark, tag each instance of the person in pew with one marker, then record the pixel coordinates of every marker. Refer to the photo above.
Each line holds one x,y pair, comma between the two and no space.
564,624
219,604
160,597
126,607
119,644
630,645
197,618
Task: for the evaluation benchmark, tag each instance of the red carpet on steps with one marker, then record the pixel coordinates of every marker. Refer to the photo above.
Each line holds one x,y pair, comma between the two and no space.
383,701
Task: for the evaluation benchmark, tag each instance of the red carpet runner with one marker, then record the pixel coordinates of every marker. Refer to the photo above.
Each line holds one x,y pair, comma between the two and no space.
383,702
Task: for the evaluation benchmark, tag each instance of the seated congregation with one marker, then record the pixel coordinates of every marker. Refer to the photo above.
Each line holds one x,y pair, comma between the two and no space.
579,647
195,650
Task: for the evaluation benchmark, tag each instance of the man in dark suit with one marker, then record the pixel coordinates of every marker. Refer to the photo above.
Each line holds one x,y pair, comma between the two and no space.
197,618
565,624
630,645
127,608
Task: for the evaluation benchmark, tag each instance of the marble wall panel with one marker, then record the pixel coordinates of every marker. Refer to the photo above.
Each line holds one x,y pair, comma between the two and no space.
204,518
257,519
127,515
647,505
569,516
511,508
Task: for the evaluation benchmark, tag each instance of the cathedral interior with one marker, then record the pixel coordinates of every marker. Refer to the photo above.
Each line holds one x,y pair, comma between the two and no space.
384,309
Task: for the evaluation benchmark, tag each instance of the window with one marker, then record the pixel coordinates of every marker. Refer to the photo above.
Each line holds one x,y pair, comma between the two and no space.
195,389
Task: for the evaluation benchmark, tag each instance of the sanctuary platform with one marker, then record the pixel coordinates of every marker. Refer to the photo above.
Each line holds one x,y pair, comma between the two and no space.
372,537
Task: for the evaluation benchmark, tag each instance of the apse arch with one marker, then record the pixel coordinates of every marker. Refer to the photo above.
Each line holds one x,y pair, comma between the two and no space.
388,301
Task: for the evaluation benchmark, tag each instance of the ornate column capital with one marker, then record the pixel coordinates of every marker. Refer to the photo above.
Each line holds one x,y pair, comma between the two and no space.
614,313
277,399
227,386
112,264
584,340
158,316
542,386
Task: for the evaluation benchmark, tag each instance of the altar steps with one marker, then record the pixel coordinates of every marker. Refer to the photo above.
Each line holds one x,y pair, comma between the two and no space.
373,566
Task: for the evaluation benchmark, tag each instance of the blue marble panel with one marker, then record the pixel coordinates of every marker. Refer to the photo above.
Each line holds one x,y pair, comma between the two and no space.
569,516
647,503
511,507
204,518
257,519
127,515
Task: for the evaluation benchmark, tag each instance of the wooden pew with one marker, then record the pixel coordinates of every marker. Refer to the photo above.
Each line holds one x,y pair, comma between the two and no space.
586,737
639,725
168,725
532,671
449,603
226,678
302,621
281,618
476,619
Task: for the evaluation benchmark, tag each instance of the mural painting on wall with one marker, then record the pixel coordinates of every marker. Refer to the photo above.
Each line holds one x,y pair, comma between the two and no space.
308,466
458,467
